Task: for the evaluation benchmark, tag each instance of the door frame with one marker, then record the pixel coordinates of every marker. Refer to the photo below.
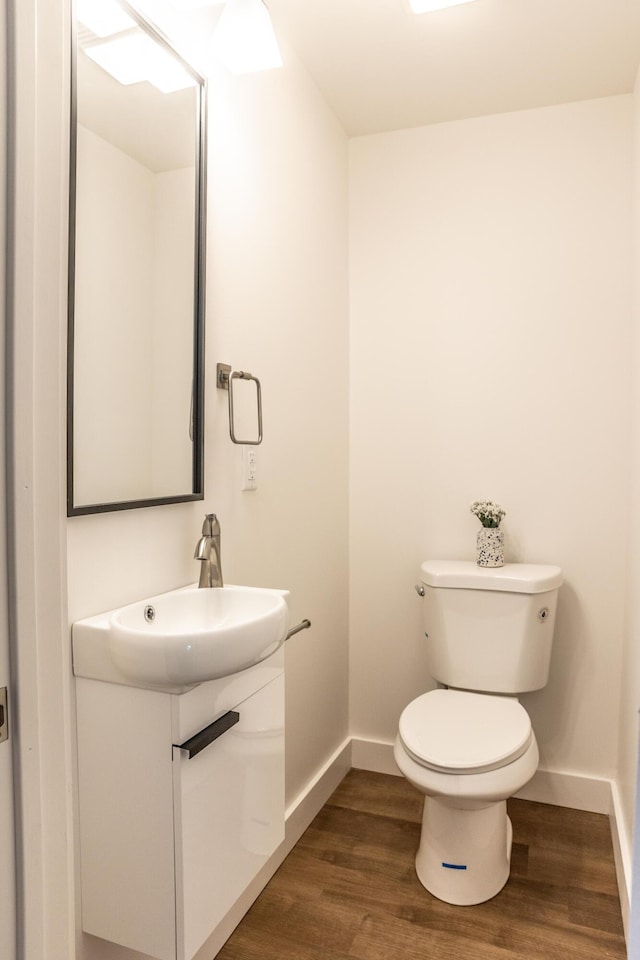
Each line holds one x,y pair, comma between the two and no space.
38,40
7,819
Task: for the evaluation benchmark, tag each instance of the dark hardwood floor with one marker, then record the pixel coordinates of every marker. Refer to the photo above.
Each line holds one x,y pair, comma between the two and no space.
348,891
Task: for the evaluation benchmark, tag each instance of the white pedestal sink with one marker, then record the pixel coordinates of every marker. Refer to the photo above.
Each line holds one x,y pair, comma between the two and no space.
176,640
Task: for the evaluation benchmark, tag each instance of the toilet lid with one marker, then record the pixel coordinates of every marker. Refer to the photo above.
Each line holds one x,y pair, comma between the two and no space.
454,731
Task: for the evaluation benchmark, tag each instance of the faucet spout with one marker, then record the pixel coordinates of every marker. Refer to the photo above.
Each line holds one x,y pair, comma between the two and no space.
208,552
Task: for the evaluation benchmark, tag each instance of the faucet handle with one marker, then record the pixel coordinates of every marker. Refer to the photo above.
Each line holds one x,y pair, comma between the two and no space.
210,527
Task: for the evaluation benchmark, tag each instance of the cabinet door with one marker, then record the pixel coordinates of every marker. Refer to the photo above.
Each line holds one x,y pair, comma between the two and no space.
126,816
229,815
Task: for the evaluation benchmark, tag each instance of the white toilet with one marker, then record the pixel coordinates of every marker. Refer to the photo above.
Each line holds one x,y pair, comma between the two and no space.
470,746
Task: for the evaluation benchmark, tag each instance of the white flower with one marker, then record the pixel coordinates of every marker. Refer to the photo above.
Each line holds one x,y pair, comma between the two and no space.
488,513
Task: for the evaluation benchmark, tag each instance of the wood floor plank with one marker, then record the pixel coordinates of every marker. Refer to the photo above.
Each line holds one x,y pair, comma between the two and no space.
386,797
349,891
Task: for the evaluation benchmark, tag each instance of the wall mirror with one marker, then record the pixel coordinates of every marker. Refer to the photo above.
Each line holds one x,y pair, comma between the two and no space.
136,267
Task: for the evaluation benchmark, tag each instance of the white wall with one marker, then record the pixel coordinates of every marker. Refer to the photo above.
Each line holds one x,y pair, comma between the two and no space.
278,296
630,691
490,345
277,306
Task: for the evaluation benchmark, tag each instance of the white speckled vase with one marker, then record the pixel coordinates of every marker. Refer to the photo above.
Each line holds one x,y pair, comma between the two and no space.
490,547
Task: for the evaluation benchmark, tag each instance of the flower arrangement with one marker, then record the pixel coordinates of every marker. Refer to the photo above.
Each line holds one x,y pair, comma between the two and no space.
489,514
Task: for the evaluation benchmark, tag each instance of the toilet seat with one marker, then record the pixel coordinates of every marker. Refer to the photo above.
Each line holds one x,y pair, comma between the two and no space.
454,731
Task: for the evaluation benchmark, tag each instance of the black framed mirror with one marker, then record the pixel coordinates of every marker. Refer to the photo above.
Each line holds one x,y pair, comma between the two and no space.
135,368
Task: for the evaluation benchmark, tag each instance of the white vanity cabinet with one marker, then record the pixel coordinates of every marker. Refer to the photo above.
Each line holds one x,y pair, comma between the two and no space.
168,842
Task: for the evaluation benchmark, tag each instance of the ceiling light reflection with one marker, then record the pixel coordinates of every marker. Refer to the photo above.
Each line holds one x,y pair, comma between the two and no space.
135,57
103,17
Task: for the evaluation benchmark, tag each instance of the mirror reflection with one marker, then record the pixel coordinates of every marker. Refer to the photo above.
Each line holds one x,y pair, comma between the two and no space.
136,284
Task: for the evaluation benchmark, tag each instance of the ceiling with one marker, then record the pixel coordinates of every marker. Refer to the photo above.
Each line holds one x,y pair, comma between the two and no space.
156,130
381,67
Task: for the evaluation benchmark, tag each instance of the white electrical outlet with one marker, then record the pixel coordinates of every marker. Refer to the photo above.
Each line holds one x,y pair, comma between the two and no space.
249,468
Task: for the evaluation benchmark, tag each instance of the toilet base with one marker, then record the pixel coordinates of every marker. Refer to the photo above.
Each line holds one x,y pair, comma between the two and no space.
464,854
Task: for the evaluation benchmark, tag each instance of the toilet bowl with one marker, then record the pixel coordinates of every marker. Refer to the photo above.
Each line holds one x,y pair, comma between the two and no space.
467,752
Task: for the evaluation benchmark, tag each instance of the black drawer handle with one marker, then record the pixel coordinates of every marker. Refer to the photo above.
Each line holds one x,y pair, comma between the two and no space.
204,737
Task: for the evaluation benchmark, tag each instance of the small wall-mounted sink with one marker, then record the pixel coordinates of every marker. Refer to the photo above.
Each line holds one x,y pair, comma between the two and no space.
179,639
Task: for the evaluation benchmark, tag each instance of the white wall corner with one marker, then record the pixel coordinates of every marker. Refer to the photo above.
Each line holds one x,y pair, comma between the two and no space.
373,755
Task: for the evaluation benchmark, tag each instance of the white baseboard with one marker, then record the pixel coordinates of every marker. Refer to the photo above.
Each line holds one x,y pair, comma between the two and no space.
298,816
310,801
569,790
560,789
622,852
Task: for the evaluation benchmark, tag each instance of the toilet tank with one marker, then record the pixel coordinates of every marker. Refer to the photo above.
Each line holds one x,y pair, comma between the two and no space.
490,628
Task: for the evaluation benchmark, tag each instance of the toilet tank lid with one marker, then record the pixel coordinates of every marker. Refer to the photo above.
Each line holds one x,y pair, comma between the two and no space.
512,577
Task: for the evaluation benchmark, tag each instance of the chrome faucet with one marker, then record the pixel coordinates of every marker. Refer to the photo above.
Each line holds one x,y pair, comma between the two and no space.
208,553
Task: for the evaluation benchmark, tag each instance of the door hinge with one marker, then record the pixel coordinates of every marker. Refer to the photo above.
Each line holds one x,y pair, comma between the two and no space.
4,715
